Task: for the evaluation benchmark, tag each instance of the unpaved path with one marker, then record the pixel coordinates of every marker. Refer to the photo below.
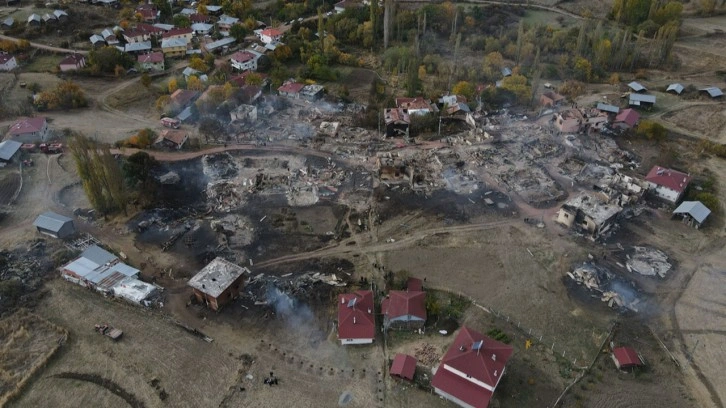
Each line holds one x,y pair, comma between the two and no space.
45,47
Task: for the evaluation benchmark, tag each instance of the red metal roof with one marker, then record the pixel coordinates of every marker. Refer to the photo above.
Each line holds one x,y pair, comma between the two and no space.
461,388
241,79
175,136
177,31
628,116
27,125
72,59
413,103
198,18
485,364
356,321
403,366
242,56
396,115
152,57
404,303
291,87
627,357
182,97
414,284
271,32
148,28
672,179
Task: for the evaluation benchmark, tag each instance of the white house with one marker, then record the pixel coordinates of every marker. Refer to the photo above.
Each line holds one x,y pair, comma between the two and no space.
72,62
668,184
244,60
153,61
356,321
270,35
29,130
8,62
471,369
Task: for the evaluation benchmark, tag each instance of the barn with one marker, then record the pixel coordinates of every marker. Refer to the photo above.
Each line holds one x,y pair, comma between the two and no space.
55,225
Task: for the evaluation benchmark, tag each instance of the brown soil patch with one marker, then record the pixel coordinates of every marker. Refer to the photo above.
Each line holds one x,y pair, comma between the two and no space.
27,343
708,120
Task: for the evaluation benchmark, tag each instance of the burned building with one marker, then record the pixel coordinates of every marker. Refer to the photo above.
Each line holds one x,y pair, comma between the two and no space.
589,213
397,122
569,121
218,283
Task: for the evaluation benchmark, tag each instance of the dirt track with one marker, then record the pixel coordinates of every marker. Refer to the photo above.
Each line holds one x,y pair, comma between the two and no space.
45,47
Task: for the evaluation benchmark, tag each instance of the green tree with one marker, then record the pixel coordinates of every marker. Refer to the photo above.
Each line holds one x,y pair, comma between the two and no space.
651,130
582,69
517,84
66,95
173,85
106,59
211,128
194,83
162,102
145,80
253,78
182,21
238,32
709,200
198,63
465,89
100,174
137,172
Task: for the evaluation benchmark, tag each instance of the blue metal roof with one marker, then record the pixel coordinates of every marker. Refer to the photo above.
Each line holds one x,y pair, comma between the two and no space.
695,209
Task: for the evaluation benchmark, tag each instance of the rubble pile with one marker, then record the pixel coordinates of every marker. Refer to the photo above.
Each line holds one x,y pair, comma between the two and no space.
616,294
586,275
308,285
22,271
426,354
219,166
648,261
234,230
170,178
225,196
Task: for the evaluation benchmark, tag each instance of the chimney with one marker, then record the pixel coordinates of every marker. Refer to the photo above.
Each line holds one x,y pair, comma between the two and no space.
369,310
354,322
461,348
496,372
342,300
494,357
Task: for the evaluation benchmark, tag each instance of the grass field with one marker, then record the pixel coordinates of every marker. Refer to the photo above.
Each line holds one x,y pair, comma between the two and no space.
26,344
43,63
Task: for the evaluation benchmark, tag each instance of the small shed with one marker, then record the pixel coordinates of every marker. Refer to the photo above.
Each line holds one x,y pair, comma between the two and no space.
637,87
712,91
637,99
626,357
675,88
694,213
404,366
55,225
8,149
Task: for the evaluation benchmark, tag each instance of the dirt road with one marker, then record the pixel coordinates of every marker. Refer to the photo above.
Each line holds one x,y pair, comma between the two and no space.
181,156
45,47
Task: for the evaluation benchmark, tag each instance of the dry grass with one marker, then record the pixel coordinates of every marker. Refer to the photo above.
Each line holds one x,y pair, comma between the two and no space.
27,342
